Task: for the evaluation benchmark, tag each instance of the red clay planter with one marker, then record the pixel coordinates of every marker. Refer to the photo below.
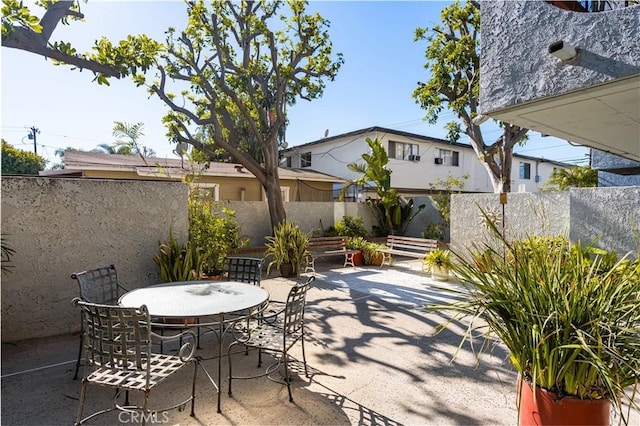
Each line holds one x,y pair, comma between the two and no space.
548,410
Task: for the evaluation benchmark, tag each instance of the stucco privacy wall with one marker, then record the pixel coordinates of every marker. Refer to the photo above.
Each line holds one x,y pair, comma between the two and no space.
610,216
524,214
60,226
516,36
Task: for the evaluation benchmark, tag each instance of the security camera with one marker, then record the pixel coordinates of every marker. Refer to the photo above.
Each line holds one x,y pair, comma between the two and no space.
563,51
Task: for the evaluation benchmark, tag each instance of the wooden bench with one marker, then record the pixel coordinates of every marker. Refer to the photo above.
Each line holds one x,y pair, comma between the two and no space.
325,247
406,246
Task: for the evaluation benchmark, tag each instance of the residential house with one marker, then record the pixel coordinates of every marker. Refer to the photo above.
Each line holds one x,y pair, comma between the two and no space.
417,161
553,67
224,181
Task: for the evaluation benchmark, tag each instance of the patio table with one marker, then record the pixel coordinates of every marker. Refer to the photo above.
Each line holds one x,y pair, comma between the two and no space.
200,299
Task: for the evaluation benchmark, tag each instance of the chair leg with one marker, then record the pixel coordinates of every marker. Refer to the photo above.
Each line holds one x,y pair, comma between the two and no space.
229,357
75,375
304,358
83,394
145,410
193,388
287,377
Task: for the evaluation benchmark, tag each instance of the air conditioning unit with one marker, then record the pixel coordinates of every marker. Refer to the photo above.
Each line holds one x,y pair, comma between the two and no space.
438,160
414,158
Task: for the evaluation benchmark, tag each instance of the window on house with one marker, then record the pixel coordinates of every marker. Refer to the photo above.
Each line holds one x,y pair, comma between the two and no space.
525,170
284,192
208,190
305,159
402,151
449,157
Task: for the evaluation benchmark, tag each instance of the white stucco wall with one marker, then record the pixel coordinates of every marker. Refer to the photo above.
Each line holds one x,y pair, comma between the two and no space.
517,68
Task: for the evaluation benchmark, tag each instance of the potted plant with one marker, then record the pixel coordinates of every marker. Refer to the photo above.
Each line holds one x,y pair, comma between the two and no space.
371,255
356,243
287,249
568,314
438,262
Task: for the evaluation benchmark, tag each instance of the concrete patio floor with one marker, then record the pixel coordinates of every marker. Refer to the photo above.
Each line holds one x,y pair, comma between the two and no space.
373,355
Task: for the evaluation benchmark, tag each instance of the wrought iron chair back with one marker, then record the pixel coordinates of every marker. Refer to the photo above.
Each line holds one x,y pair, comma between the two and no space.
294,309
99,285
244,269
117,337
118,345
276,332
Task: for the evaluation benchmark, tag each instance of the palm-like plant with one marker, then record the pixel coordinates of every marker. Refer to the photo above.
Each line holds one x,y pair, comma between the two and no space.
115,149
127,137
389,209
572,177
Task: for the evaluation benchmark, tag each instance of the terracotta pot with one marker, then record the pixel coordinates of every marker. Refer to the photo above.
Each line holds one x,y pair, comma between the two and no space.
377,259
357,258
548,410
287,270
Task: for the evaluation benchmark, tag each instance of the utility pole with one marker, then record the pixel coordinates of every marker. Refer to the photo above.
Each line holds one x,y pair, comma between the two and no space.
32,135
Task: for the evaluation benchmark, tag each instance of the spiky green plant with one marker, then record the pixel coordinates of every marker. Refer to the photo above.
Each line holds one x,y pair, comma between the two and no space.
179,262
7,254
569,314
287,245
438,258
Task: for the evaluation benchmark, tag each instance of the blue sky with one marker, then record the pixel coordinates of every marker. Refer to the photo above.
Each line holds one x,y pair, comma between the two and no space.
373,88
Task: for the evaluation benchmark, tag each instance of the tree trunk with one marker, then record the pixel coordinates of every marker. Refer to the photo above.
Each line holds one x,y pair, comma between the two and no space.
274,200
271,183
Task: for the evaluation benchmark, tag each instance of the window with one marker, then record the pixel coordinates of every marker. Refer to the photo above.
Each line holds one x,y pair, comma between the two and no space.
525,170
284,192
450,158
402,151
305,159
208,190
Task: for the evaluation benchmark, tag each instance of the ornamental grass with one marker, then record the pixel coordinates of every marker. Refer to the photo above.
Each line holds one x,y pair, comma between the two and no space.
569,314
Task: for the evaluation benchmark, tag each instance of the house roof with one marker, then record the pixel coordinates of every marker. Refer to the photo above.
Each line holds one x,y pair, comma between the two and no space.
75,162
412,136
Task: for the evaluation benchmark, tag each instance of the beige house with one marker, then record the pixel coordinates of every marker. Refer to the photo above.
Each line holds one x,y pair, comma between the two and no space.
225,181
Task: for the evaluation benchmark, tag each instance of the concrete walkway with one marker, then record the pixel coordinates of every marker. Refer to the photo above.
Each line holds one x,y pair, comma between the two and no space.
373,353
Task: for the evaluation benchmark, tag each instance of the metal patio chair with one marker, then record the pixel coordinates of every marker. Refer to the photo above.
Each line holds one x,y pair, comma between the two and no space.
99,285
244,269
117,342
275,332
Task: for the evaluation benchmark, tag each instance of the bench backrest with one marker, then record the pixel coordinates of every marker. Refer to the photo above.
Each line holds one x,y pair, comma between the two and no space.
411,243
326,243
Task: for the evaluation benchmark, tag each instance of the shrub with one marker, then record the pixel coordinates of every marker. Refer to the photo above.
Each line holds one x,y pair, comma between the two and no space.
350,226
215,231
